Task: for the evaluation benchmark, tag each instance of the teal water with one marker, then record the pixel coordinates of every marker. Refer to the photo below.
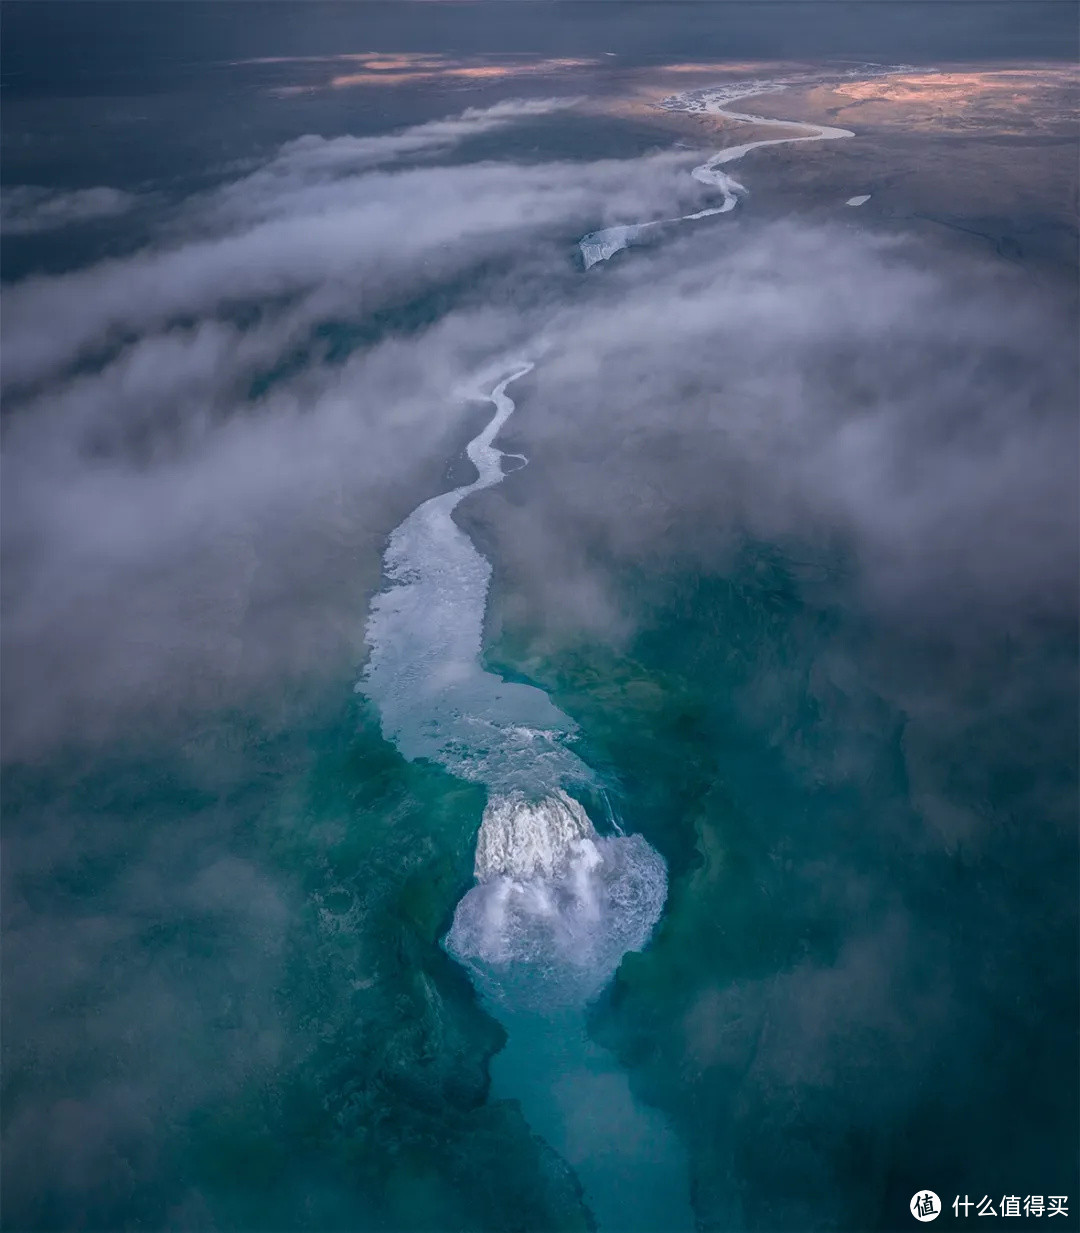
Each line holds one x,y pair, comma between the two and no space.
870,938
245,1009
556,905
241,1015
579,1099
231,996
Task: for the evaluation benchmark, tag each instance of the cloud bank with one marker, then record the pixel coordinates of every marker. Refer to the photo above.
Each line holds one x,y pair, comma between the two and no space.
28,209
163,528
205,445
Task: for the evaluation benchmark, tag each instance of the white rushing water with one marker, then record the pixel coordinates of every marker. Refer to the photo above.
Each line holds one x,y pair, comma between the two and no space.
556,905
425,631
598,246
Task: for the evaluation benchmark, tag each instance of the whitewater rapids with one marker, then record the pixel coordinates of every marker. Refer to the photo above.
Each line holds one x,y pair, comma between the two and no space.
556,905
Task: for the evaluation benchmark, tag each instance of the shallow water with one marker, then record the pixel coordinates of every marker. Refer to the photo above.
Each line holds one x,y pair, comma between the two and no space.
578,1097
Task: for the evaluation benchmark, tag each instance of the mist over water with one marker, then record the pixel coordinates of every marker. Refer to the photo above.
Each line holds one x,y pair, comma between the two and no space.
598,246
492,745
555,906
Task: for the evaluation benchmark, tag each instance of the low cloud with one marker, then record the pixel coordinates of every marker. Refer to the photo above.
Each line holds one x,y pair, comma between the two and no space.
27,209
166,537
813,383
197,488
313,226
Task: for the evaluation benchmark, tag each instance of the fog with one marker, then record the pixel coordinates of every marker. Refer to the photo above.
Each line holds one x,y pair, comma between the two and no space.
165,533
207,442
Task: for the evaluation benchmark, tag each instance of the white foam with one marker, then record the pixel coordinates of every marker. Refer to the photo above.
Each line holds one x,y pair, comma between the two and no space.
600,245
425,630
858,201
520,838
556,905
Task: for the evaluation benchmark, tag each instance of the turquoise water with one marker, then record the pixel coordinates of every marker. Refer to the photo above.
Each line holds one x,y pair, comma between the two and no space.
806,942
271,975
556,905
579,1099
867,947
250,928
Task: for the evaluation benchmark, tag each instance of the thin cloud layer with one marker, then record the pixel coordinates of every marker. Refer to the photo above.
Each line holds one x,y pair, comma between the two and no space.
206,445
794,380
27,209
313,225
381,69
789,380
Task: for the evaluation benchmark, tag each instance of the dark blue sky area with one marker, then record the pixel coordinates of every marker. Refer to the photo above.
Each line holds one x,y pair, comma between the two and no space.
83,45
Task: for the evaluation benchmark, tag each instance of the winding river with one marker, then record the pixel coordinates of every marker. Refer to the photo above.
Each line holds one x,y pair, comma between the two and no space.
555,904
598,246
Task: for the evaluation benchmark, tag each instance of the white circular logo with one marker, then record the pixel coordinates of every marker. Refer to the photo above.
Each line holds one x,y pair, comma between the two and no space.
925,1205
